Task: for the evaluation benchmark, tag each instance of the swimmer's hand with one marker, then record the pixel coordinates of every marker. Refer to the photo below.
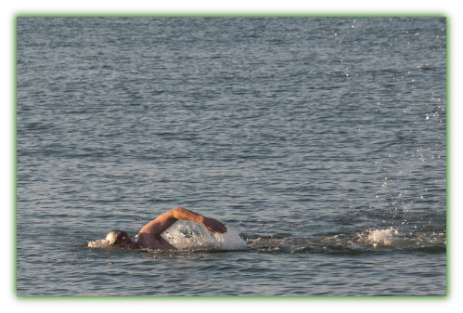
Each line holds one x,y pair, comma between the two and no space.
213,225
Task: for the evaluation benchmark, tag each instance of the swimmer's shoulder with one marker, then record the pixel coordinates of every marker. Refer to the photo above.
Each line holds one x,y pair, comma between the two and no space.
151,242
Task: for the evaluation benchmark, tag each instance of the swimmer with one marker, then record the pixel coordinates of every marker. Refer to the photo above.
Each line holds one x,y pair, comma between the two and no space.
150,235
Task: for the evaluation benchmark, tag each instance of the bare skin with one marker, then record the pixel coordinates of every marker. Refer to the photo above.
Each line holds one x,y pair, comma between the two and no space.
150,235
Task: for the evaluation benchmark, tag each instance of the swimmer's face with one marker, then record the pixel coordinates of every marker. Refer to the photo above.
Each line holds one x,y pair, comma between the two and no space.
118,237
124,241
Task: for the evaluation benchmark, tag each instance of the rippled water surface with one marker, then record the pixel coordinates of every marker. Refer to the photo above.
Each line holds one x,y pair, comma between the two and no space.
319,142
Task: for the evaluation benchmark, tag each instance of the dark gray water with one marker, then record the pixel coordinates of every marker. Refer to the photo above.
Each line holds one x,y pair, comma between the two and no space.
319,142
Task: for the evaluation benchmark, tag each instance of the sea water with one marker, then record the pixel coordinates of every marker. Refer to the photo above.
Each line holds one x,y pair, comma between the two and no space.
319,142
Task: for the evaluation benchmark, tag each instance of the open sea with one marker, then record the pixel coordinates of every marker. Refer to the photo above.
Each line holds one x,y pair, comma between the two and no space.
319,142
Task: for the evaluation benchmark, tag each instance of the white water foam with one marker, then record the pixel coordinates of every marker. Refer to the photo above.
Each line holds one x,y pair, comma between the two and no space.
100,243
382,236
193,236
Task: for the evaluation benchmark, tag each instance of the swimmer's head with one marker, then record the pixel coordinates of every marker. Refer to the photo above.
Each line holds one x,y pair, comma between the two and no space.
120,239
115,236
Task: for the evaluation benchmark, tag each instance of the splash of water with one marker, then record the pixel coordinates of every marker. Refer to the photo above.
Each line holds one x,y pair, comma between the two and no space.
382,236
195,237
100,243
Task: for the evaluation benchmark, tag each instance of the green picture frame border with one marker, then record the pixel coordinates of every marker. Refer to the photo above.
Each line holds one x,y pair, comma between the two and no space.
355,8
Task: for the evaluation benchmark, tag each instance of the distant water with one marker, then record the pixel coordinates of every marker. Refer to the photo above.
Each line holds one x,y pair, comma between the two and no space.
319,142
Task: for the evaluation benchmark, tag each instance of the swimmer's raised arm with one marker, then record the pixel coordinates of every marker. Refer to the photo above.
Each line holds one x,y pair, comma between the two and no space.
160,224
